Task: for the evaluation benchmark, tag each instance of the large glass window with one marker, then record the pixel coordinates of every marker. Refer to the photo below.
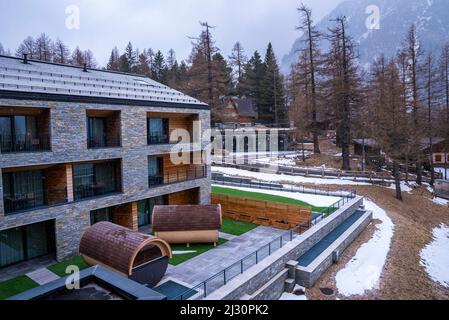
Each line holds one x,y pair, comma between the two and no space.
18,133
157,131
23,190
94,179
155,171
25,243
145,209
96,132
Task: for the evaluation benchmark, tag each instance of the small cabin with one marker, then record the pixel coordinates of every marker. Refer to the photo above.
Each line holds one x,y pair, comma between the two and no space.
187,224
134,255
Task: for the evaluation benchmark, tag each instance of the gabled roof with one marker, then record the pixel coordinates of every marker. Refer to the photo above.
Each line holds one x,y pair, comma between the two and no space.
44,80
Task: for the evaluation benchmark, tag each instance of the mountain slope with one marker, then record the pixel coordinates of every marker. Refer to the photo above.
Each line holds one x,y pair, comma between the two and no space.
396,16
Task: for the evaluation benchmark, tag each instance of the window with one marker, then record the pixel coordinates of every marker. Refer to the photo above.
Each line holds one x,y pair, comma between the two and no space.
94,179
157,131
96,132
25,243
145,209
101,215
23,190
155,171
438,158
18,133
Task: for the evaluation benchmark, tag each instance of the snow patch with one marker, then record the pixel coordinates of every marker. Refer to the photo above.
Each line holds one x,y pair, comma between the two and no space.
314,200
271,177
435,256
404,187
441,202
363,272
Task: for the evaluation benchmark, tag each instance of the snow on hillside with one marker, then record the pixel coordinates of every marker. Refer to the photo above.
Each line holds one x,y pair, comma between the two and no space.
314,200
363,272
435,256
271,177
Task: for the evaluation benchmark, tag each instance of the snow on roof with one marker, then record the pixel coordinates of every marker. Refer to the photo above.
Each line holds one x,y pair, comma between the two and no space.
49,78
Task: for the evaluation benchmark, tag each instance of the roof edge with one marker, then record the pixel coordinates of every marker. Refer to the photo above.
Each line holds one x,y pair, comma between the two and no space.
21,95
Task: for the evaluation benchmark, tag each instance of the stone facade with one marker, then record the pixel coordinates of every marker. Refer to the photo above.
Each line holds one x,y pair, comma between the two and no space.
69,145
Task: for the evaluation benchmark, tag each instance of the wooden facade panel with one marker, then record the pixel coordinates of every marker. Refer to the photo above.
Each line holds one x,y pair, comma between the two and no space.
188,197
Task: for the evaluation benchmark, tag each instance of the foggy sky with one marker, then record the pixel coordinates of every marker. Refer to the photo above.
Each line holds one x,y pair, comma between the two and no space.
159,24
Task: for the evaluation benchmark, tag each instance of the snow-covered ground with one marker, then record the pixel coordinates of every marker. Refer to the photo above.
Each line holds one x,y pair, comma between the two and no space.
404,187
292,297
363,272
441,201
271,177
435,256
314,200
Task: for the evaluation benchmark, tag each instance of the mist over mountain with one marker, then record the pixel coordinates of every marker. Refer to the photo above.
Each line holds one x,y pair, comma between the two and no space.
396,16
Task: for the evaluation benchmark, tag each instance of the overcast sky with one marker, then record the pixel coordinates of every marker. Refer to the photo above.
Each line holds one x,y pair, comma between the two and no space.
159,24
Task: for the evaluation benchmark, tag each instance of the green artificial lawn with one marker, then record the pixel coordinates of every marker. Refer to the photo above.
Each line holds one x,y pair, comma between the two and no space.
264,197
60,268
15,286
198,248
236,228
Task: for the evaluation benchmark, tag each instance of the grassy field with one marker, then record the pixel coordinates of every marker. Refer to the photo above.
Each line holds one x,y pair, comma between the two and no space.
198,248
15,286
264,197
60,268
237,228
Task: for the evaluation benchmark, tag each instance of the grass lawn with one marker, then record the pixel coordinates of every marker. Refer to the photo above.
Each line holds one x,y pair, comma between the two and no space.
59,268
199,248
264,197
15,286
237,228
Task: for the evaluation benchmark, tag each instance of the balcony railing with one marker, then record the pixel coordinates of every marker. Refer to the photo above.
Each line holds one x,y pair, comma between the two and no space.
92,191
106,141
34,200
158,139
177,176
24,143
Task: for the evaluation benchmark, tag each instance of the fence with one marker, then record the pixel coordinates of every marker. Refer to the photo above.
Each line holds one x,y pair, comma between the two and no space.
24,143
248,183
220,279
177,176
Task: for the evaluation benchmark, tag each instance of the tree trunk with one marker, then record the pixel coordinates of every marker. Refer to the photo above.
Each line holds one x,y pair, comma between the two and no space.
397,180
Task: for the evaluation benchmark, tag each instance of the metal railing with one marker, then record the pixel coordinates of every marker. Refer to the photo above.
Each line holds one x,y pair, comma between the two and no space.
105,141
158,139
218,178
33,200
97,190
177,176
24,143
221,278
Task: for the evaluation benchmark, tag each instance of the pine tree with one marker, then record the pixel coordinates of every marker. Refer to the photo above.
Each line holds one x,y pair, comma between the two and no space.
251,83
159,71
27,46
237,60
114,60
222,76
143,66
43,48
272,109
78,58
61,52
444,88
2,50
131,59
89,59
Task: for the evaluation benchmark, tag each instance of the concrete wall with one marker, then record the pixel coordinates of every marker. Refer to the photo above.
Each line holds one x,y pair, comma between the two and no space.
69,144
308,276
256,277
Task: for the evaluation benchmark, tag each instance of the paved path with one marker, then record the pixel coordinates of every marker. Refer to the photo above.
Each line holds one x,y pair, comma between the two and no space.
42,276
227,236
200,268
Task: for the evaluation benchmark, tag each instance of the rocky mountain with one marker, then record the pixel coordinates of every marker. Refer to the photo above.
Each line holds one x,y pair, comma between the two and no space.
431,18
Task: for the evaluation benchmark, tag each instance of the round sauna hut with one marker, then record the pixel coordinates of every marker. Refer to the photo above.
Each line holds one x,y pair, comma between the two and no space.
135,255
187,224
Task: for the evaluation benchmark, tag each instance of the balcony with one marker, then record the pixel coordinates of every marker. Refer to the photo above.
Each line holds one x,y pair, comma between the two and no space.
173,176
24,130
39,187
169,128
103,129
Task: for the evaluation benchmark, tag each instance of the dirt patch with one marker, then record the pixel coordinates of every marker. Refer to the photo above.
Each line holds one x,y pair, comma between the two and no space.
403,276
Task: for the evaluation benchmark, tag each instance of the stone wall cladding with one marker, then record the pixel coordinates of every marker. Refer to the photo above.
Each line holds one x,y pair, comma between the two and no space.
69,144
256,277
273,290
